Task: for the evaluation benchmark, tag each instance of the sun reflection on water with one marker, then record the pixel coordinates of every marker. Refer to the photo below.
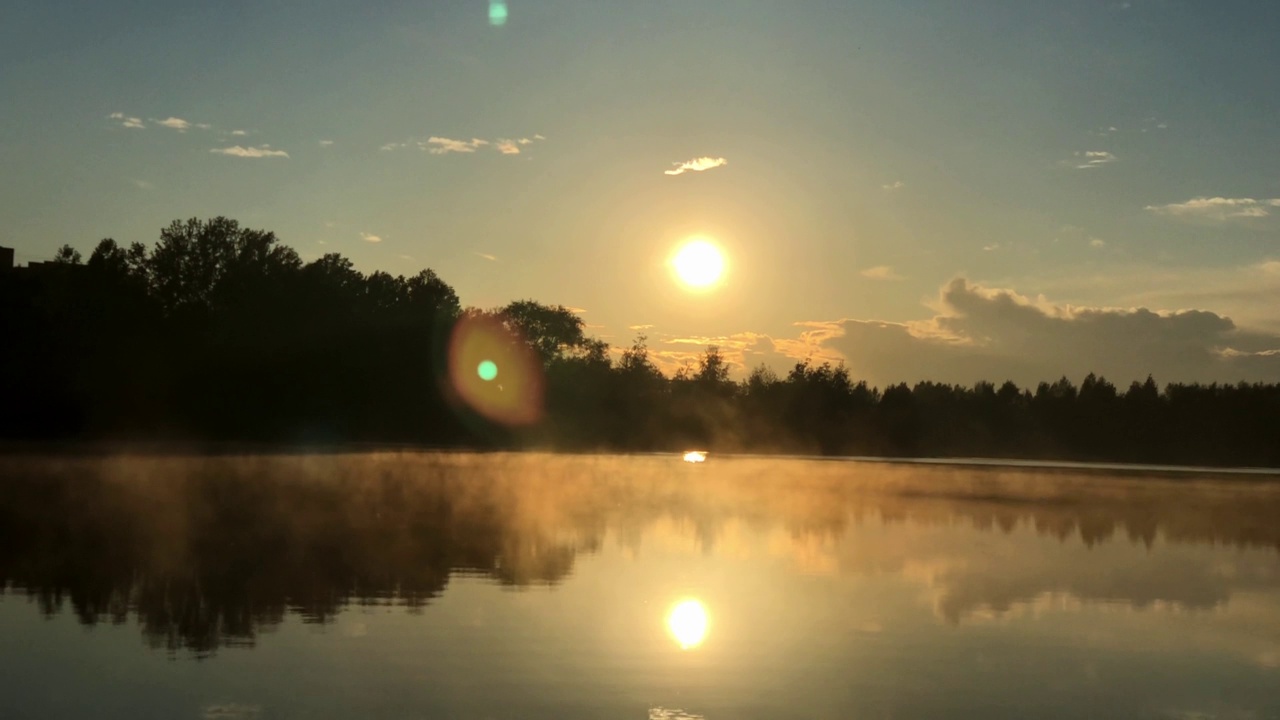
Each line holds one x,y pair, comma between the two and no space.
687,623
695,456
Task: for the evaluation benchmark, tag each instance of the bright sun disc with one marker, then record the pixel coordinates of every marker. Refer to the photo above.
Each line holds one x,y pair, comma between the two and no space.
698,263
687,622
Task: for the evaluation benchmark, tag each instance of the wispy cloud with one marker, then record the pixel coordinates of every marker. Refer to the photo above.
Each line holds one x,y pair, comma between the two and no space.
143,184
437,145
1090,159
880,272
992,247
696,165
896,185
487,256
250,152
326,143
442,145
173,123
511,146
1097,243
239,133
1218,208
203,126
370,237
127,121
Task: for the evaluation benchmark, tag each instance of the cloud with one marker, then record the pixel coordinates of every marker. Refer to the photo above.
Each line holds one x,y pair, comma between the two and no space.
127,121
991,247
442,146
174,123
370,238
239,132
1217,208
880,272
326,143
204,126
896,185
1093,158
995,334
143,184
696,165
250,152
508,147
1097,243
487,256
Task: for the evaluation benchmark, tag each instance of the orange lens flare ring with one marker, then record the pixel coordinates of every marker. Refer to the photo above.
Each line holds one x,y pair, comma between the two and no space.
494,372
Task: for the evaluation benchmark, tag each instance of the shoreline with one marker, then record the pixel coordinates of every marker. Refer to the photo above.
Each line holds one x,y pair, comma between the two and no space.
54,450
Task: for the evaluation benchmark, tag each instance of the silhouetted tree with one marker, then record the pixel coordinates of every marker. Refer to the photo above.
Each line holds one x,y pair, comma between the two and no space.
220,332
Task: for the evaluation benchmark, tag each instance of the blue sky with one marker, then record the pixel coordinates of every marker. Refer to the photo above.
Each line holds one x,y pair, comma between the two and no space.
1066,157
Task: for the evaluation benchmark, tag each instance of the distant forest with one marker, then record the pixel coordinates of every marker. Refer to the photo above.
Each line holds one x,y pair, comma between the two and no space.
222,334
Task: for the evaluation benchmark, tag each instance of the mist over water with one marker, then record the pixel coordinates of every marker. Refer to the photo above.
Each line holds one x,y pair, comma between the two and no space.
523,585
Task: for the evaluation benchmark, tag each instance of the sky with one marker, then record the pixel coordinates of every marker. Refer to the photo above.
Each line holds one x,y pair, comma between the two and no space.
996,189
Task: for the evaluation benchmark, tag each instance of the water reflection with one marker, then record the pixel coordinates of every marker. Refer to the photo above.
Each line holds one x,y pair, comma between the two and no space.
211,552
687,623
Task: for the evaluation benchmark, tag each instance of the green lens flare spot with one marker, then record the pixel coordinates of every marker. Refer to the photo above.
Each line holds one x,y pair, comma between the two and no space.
497,13
487,370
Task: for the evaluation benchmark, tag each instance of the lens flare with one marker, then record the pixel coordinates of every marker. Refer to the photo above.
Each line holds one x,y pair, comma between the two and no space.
497,13
687,623
482,348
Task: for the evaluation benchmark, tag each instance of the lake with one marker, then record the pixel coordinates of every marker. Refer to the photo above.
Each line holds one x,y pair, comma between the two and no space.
496,586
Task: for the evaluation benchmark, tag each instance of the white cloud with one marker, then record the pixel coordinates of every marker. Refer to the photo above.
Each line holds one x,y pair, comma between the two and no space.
127,121
1219,208
442,145
203,126
370,238
508,147
1093,158
239,132
696,165
143,184
487,256
991,247
880,272
174,123
326,143
897,185
1097,243
250,152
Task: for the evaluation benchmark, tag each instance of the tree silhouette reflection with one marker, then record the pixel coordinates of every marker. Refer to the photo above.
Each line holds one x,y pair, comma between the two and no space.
211,552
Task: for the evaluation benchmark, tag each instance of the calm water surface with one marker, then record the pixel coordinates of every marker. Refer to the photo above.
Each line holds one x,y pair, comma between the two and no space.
527,586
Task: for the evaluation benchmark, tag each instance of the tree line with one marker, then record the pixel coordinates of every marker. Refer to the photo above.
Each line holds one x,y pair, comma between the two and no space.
221,333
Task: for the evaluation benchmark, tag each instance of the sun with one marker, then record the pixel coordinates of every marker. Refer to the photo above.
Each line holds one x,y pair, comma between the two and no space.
698,263
687,623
